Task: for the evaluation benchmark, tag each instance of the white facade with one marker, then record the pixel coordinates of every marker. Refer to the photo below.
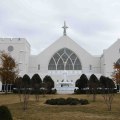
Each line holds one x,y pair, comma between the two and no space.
19,48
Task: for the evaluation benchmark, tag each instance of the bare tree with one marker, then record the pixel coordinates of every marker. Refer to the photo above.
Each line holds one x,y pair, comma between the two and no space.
18,84
26,84
108,92
44,88
8,69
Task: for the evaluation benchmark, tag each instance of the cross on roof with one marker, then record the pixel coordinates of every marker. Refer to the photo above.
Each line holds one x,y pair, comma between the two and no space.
64,28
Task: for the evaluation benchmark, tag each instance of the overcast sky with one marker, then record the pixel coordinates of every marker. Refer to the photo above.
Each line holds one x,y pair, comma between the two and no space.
93,24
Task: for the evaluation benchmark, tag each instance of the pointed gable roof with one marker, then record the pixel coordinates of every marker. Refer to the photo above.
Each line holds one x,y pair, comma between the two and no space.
65,42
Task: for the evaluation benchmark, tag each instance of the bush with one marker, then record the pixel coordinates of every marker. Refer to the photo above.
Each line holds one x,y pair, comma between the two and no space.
68,101
5,113
57,101
54,91
83,101
98,91
79,91
72,101
51,102
61,101
32,91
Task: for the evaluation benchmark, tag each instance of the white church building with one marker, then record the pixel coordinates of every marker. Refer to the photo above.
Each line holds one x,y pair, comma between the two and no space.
64,60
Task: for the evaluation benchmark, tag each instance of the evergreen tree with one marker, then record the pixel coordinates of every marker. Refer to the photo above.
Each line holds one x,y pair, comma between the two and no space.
36,84
93,85
106,82
49,83
82,82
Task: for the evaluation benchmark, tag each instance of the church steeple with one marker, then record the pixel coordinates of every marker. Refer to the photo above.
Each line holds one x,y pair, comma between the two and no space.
64,29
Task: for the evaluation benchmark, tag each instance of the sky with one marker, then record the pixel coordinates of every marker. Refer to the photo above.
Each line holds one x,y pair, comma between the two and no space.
93,24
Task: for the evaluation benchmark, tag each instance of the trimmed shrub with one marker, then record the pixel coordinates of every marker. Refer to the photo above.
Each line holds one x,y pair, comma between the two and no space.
54,91
57,101
83,101
61,101
51,102
79,91
68,101
5,113
72,101
32,91
99,91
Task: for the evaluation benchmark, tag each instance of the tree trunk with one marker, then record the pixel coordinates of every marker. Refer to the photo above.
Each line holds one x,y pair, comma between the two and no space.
109,107
94,97
19,93
6,88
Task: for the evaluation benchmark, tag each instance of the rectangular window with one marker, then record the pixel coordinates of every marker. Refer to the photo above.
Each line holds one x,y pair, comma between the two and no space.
39,67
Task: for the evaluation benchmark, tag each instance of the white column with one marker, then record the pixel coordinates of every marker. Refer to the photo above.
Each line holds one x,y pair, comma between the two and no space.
65,76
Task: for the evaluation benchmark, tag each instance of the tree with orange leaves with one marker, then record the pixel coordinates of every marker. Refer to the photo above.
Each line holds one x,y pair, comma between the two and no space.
116,74
8,69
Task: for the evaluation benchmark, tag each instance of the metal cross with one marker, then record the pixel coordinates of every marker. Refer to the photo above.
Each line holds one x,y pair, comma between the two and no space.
64,27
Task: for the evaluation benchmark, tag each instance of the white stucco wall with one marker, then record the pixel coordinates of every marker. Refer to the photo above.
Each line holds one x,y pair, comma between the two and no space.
64,42
28,64
21,51
111,55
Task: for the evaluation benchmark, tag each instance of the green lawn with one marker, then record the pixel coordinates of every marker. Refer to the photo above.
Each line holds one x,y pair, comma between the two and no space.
40,111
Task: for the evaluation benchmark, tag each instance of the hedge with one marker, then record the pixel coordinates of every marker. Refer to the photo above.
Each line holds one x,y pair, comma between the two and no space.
68,101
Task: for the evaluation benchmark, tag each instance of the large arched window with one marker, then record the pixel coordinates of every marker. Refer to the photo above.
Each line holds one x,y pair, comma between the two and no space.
64,59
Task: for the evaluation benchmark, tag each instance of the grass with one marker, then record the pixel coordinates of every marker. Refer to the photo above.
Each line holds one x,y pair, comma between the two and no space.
40,111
